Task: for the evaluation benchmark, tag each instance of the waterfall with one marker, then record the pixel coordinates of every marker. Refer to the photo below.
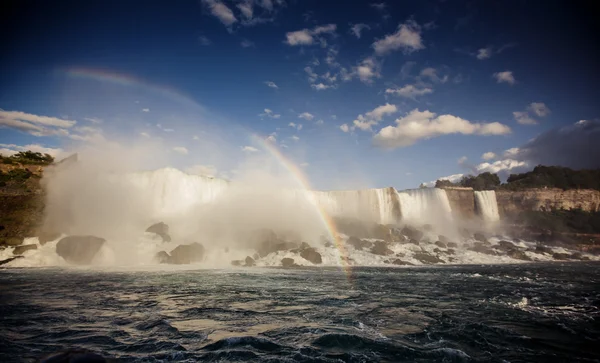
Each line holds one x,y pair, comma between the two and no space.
486,205
426,205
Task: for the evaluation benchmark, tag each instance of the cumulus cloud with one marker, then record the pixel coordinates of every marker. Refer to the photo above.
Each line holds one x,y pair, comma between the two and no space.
432,74
271,84
306,115
307,36
505,77
484,53
418,125
368,70
246,8
11,149
269,113
295,125
295,138
523,118
345,128
368,120
220,11
357,29
204,170
34,124
249,149
539,108
180,150
145,110
407,38
410,91
488,155
320,86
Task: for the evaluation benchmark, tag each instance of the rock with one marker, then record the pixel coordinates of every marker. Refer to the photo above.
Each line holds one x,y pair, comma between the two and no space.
2,262
543,249
437,250
184,254
576,256
162,257
412,233
518,255
358,244
427,258
255,256
249,261
452,245
505,246
414,242
237,263
441,244
275,246
45,237
428,227
311,255
560,256
481,248
11,241
161,229
288,262
19,250
382,232
480,237
450,251
443,238
381,248
400,254
399,262
304,245
79,250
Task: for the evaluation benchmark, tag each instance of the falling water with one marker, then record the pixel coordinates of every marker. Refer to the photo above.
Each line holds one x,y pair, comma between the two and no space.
486,205
426,205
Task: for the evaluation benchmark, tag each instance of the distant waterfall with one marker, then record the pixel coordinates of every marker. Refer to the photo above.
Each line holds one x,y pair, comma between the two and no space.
426,205
486,205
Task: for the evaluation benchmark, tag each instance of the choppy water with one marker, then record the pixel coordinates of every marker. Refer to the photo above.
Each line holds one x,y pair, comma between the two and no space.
513,313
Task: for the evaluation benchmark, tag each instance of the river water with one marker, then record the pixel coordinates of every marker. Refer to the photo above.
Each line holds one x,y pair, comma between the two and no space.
485,313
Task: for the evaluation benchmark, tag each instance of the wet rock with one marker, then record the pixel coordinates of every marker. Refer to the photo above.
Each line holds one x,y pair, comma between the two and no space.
2,262
304,245
412,233
274,246
161,229
162,257
237,263
505,246
414,242
450,251
382,232
255,256
576,256
437,250
79,250
427,258
397,235
481,248
249,261
443,238
19,250
310,254
45,237
518,255
480,237
381,248
561,256
452,245
399,262
11,241
359,244
441,244
400,254
288,262
543,249
189,253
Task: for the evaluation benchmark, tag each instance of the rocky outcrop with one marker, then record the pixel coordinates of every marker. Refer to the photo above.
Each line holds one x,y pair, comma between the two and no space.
161,229
462,201
288,262
512,202
19,250
310,254
79,250
185,254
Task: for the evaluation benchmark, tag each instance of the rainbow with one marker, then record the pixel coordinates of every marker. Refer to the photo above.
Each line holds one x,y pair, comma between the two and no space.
303,182
106,76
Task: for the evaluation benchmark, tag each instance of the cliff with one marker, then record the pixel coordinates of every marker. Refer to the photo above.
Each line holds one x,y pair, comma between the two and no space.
513,202
462,201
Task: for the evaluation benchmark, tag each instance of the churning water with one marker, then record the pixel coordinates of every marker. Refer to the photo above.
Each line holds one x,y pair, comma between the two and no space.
503,313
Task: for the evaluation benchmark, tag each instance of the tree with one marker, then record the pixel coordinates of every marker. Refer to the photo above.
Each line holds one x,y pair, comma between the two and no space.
444,183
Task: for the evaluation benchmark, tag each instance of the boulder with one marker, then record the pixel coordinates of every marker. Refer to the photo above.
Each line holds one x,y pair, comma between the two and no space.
450,251
271,246
2,262
437,250
441,244
249,262
400,254
381,248
576,256
304,245
518,255
79,250
19,250
358,244
543,249
399,262
161,229
443,238
480,237
237,263
288,262
184,254
414,242
506,246
452,245
427,258
382,232
412,233
310,254
45,237
162,257
481,248
561,256
11,241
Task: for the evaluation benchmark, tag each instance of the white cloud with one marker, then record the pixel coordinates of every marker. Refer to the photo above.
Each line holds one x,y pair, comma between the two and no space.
523,118
144,134
272,138
320,122
379,6
269,113
220,11
307,36
418,125
307,116
35,119
431,73
93,120
180,150
484,53
345,128
203,40
334,117
320,86
356,29
249,149
407,38
500,166
511,153
295,138
11,149
410,91
204,170
368,69
295,125
312,76
505,77
164,129
246,43
271,84
539,108
368,120
246,9
488,155
299,127
145,110
452,178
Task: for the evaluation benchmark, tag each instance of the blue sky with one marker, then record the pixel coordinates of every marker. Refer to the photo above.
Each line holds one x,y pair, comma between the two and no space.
387,93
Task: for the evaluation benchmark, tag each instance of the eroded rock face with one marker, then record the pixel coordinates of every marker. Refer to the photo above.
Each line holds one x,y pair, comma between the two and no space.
514,202
311,255
79,250
185,254
161,229
19,250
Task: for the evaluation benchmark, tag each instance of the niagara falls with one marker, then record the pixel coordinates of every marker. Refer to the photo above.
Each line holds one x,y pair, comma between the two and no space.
297,181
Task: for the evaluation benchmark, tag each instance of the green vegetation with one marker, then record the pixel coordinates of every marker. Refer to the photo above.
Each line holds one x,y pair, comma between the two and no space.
28,158
15,176
540,177
562,221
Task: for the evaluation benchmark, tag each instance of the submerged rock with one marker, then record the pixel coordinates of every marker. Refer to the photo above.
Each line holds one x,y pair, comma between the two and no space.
543,249
79,250
481,248
184,254
19,250
427,258
381,248
161,229
288,262
505,246
311,255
